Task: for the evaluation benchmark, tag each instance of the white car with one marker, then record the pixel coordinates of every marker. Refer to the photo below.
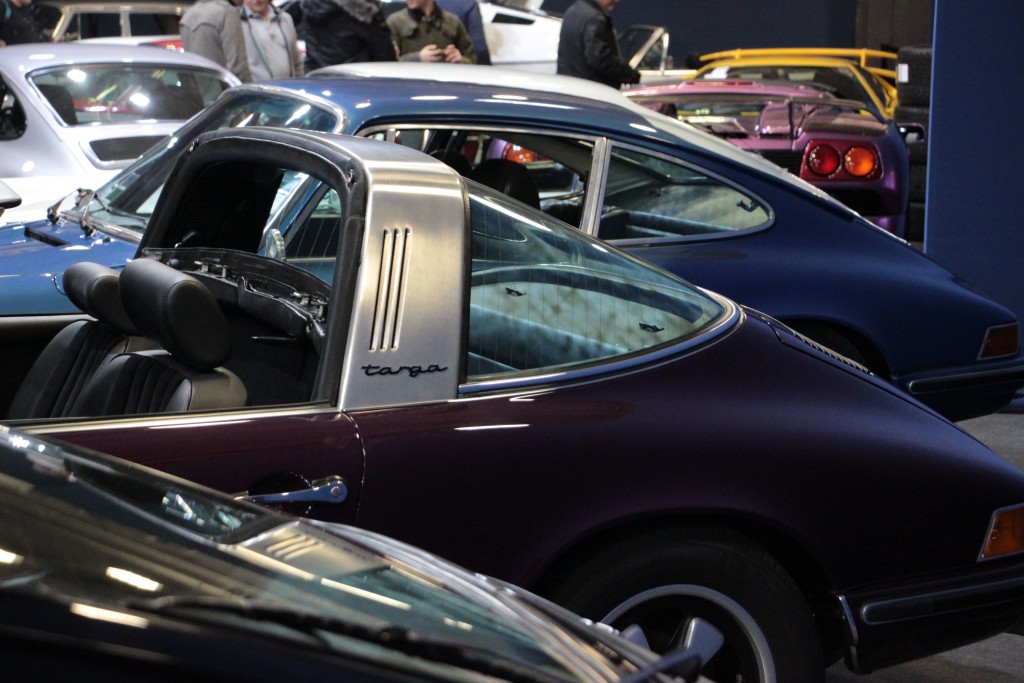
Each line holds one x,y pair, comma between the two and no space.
520,35
73,114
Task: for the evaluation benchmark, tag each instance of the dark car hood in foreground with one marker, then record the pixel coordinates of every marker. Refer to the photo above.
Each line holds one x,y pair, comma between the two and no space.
104,540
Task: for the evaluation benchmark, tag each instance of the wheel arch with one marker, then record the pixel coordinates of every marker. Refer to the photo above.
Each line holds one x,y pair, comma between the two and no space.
787,551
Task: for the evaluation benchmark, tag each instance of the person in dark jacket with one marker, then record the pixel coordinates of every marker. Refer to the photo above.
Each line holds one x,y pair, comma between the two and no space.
18,23
588,48
342,31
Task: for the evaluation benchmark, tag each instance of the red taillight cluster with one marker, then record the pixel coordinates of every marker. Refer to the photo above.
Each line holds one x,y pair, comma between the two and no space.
170,44
840,162
518,154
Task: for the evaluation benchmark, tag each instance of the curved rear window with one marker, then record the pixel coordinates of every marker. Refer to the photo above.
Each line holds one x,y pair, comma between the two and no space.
545,298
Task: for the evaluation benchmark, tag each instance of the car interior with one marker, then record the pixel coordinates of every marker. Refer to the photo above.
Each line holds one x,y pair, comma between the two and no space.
647,198
235,313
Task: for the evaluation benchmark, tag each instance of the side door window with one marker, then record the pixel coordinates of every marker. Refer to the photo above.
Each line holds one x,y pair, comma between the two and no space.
557,167
648,197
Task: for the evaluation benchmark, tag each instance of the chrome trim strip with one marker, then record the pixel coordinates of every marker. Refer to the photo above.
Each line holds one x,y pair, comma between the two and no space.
332,490
590,218
173,421
296,94
851,623
936,603
964,379
390,289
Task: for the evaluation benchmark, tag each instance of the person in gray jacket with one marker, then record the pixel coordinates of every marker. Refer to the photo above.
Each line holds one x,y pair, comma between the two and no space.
270,41
588,48
213,29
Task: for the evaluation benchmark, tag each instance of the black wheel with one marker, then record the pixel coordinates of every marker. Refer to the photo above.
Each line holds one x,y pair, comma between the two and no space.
918,182
662,580
915,222
912,114
916,64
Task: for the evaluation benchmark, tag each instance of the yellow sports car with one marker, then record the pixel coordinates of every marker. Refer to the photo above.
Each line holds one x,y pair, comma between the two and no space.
851,74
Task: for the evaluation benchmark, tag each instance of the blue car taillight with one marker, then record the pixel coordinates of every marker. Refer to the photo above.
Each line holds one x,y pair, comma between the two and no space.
1001,340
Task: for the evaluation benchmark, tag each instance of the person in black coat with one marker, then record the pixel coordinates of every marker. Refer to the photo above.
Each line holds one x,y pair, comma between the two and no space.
588,48
341,31
18,23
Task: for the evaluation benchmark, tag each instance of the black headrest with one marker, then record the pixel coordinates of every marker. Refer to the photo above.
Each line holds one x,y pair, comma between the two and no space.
175,310
93,288
508,177
456,160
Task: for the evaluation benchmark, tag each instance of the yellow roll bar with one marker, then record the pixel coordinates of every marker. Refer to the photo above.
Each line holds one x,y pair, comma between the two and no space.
861,55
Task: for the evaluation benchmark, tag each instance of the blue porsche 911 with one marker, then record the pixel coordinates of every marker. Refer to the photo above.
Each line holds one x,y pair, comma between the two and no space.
722,218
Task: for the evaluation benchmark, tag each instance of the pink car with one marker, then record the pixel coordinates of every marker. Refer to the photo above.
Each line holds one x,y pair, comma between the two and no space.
841,146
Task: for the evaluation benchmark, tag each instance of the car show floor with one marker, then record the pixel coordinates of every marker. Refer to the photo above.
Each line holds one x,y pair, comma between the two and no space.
996,660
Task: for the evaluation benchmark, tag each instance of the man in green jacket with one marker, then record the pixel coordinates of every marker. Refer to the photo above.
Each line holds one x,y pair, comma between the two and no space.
423,32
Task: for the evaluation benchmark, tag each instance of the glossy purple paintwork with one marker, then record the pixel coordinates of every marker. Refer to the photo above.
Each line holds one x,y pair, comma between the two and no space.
782,121
759,436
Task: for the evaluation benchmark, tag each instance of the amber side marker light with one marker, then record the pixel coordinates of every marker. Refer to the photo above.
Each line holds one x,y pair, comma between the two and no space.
1003,340
1005,533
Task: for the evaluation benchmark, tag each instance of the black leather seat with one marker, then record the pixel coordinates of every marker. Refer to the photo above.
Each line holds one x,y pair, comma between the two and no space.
55,380
508,177
456,160
178,313
62,102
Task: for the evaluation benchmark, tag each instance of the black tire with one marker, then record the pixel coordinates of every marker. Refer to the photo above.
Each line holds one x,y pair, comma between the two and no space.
915,222
911,114
661,580
916,63
918,153
918,182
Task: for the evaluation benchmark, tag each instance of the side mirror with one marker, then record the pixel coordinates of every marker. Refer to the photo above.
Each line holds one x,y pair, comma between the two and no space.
8,197
912,132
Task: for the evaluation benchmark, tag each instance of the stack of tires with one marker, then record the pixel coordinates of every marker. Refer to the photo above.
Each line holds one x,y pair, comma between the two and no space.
913,92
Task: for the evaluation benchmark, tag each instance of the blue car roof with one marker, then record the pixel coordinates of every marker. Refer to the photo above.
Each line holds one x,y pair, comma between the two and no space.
381,93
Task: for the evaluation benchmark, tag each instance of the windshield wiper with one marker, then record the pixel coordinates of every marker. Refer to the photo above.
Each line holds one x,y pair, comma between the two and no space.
360,627
88,227
53,211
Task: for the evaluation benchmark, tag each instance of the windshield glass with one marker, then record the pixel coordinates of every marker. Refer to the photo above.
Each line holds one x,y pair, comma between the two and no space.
839,82
110,536
91,94
127,201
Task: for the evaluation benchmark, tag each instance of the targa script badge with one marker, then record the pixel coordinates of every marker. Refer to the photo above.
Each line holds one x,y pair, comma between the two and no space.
411,370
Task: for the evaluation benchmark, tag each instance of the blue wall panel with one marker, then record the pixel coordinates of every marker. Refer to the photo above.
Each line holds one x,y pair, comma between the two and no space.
974,222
